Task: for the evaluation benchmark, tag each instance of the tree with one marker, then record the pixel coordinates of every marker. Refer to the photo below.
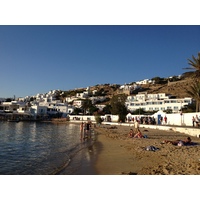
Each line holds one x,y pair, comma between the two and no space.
93,109
107,109
195,93
87,103
98,119
118,106
194,64
156,79
8,100
77,111
89,107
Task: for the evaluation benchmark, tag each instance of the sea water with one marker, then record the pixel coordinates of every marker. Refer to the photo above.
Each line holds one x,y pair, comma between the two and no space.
35,148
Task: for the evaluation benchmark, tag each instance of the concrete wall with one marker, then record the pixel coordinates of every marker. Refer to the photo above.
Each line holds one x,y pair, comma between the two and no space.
186,130
177,119
173,123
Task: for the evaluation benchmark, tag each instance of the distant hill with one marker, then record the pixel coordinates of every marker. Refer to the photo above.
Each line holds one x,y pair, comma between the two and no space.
177,87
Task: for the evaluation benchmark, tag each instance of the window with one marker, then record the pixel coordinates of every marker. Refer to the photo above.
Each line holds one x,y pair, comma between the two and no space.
186,101
176,108
173,101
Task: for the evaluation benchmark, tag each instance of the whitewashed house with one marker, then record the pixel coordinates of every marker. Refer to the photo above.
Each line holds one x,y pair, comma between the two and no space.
145,81
82,95
156,102
78,103
38,111
9,107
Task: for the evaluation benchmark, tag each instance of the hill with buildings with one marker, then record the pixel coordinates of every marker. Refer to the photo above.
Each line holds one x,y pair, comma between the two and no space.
176,87
150,95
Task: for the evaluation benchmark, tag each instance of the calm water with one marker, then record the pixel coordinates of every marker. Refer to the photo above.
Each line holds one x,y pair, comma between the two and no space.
43,148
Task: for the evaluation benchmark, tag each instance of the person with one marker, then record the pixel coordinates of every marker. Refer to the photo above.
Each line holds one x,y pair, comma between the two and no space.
138,135
88,126
197,120
136,125
131,133
165,119
161,120
193,120
179,142
81,126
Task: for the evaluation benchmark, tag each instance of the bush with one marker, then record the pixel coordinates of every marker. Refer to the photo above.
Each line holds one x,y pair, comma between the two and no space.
98,119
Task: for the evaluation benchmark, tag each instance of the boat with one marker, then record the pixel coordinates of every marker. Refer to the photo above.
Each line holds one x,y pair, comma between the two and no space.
13,120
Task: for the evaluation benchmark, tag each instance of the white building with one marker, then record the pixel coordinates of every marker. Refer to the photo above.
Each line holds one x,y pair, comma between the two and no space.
155,102
9,106
70,99
37,110
145,81
82,95
96,99
78,103
54,106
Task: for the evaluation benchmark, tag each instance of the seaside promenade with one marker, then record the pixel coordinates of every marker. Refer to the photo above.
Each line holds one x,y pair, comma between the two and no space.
189,130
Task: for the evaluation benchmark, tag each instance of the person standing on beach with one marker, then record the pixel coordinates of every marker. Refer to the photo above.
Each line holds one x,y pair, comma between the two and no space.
193,121
136,125
81,126
197,120
161,120
165,119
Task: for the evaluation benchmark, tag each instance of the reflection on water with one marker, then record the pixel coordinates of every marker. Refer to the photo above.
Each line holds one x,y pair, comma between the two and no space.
40,148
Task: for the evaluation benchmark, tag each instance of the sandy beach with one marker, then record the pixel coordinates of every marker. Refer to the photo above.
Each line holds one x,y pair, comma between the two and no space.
120,155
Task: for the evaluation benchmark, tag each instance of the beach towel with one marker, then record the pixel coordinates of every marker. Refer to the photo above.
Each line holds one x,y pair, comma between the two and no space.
180,143
151,148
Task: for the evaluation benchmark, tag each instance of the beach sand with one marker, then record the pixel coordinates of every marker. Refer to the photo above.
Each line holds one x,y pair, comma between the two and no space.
120,155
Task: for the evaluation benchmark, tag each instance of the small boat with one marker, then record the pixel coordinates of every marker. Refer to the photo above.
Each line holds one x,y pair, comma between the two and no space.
13,120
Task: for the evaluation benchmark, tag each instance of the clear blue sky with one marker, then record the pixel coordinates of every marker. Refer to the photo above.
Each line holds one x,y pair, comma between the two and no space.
36,59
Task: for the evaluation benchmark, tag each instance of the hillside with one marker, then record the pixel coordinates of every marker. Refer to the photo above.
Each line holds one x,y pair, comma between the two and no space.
175,88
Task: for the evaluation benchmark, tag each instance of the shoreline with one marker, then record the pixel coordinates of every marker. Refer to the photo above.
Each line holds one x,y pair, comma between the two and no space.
113,153
120,155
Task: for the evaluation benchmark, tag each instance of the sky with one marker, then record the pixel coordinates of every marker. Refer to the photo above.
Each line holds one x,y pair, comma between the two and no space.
46,46
36,59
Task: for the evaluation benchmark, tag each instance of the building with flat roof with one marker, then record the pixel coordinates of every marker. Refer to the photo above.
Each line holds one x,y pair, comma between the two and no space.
156,102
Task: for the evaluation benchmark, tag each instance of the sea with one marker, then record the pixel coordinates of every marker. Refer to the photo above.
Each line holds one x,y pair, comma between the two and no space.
39,148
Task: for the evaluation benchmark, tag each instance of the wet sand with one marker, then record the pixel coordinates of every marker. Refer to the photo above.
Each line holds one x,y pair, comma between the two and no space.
120,155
